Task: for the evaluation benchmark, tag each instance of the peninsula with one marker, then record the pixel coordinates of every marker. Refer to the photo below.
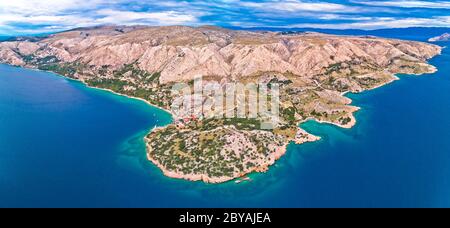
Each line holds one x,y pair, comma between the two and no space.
314,70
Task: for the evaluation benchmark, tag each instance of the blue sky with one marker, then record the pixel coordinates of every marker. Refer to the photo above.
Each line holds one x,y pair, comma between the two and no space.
42,16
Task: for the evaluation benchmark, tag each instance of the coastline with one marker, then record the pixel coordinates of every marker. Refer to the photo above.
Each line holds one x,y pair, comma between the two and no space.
92,87
124,95
353,119
279,151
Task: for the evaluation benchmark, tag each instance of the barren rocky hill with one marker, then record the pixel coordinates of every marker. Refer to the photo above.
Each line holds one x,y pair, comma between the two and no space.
181,53
313,70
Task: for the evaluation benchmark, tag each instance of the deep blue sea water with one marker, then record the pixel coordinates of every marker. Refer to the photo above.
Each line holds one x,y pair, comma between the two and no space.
65,145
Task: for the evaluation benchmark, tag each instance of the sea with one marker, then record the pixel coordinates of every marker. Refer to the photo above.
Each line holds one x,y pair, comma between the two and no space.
63,144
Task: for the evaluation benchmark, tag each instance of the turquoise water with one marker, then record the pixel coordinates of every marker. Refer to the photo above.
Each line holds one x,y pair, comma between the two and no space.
63,144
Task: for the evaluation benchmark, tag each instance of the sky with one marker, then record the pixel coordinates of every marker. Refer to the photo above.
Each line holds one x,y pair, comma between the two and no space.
19,17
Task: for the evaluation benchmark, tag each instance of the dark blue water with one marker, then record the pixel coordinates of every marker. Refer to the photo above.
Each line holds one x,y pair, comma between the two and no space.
63,144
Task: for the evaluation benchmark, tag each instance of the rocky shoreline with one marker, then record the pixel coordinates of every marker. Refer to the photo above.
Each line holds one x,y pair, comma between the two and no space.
314,71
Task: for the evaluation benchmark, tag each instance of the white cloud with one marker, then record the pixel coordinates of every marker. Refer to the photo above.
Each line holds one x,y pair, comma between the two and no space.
19,16
37,16
299,6
408,4
46,7
342,17
43,19
109,16
383,22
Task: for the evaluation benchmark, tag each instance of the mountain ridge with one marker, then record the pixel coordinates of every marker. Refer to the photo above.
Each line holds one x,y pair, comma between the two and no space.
314,70
228,52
